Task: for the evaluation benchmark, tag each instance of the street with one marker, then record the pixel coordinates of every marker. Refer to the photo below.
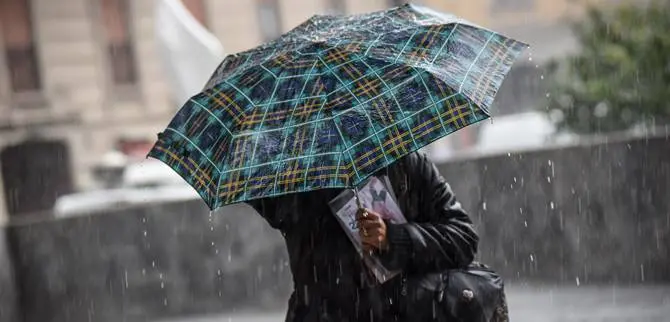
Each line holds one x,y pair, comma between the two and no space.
563,304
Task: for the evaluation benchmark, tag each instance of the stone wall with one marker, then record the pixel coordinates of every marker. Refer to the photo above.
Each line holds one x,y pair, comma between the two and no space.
588,214
149,262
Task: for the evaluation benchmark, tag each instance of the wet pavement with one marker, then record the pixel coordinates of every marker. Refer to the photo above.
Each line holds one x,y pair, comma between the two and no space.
565,304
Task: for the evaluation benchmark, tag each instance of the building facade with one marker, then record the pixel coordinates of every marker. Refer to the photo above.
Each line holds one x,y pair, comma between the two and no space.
79,78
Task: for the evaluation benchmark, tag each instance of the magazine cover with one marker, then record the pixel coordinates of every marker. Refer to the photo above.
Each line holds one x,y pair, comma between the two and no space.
375,195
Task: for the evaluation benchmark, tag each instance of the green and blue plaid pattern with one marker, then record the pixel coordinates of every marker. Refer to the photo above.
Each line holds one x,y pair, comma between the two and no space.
332,102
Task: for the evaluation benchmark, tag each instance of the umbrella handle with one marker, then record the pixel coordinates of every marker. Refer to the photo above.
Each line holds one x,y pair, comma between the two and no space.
358,202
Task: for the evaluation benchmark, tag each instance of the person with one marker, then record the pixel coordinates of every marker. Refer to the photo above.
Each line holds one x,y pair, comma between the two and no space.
330,281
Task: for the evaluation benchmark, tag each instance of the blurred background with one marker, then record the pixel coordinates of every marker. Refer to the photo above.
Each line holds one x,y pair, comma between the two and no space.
568,183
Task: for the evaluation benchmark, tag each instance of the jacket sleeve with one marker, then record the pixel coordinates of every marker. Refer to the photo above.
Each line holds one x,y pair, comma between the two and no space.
442,236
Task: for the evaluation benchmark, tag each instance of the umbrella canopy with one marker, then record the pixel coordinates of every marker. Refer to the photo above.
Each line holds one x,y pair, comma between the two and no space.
333,101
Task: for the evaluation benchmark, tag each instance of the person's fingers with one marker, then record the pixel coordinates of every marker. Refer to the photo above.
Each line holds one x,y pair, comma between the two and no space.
362,213
369,225
369,244
372,213
373,236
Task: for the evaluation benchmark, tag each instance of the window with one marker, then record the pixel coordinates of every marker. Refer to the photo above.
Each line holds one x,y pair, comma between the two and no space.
336,7
270,19
19,43
396,3
512,5
197,9
120,51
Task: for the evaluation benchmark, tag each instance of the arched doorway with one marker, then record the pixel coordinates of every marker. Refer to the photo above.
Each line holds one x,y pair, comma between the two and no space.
35,174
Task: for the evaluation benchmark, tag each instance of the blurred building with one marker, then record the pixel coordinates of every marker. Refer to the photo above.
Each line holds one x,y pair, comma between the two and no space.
79,78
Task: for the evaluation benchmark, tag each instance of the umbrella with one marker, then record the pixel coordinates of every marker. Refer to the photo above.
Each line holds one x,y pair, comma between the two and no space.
333,101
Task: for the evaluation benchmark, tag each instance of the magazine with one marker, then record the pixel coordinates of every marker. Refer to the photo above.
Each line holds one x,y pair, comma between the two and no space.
375,195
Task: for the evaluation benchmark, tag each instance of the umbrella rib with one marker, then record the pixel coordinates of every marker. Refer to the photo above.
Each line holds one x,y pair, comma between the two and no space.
269,71
381,145
300,97
390,90
302,92
372,44
239,91
212,114
353,165
405,119
273,162
406,44
258,137
432,99
460,88
195,146
439,52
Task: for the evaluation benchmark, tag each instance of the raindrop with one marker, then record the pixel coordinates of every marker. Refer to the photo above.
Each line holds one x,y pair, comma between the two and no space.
525,223
484,205
530,58
577,281
162,285
642,272
548,179
551,205
165,302
153,263
532,259
514,179
145,233
541,76
144,271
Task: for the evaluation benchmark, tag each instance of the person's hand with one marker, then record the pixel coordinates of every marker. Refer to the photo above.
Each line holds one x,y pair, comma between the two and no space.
372,230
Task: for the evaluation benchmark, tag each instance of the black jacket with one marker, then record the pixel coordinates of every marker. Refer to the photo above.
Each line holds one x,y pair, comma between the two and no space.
328,275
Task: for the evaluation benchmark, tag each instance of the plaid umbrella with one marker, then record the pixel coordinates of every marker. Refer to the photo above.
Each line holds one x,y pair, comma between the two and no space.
332,102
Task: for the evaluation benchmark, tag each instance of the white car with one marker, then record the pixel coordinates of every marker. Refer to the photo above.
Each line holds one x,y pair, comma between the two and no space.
144,182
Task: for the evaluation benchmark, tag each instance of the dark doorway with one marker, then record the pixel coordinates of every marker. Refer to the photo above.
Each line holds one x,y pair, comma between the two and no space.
35,174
